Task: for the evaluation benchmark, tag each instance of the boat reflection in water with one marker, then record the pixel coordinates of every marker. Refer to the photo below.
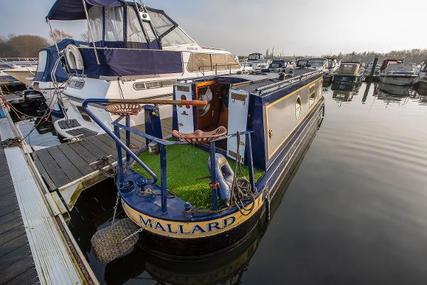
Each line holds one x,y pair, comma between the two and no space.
343,96
397,90
94,211
346,92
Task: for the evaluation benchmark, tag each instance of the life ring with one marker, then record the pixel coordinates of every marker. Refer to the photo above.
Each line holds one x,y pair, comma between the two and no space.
224,175
74,58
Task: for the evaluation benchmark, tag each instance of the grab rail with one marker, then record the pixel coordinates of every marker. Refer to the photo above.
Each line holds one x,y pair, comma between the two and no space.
116,137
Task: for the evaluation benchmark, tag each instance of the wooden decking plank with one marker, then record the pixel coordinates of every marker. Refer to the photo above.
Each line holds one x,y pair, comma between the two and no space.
56,174
15,264
65,164
88,156
93,148
106,148
75,159
13,245
43,172
28,276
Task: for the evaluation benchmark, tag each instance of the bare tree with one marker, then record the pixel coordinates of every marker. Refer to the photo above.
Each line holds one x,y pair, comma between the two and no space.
58,35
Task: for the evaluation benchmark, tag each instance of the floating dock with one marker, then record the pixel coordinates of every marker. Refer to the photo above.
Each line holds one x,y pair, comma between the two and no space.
70,168
36,246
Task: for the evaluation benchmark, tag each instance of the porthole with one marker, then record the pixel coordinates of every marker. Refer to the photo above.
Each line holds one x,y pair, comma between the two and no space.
312,98
298,108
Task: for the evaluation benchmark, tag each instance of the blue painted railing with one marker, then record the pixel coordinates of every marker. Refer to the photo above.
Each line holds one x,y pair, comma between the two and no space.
132,156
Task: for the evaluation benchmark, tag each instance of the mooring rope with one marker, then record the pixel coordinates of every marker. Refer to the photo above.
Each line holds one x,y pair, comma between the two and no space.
241,189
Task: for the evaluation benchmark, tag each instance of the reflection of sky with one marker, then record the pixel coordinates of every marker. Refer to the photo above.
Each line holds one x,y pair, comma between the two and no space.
292,27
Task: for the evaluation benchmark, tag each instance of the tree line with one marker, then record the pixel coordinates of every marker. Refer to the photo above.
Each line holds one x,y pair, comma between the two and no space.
29,45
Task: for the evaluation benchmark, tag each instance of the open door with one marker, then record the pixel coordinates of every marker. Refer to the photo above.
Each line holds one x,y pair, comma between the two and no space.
185,114
238,106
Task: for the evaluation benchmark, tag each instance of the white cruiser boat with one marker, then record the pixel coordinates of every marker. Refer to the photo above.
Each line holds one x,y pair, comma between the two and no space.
398,73
135,52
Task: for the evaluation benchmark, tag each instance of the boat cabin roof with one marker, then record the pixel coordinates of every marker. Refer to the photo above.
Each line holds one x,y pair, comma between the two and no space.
256,84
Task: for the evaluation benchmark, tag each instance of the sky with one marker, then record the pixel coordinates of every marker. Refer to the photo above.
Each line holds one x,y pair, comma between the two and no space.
291,27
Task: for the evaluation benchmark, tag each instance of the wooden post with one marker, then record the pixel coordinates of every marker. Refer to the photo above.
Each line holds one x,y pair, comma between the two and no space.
374,65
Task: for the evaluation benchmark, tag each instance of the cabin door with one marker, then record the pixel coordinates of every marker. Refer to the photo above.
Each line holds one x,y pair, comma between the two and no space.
184,113
238,105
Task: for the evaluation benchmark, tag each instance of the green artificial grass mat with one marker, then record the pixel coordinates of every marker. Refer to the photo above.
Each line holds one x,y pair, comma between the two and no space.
188,173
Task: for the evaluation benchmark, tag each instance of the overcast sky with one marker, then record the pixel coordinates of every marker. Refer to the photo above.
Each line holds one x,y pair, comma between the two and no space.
303,27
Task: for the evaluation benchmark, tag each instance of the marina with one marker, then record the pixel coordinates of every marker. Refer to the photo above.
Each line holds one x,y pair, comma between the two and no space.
135,154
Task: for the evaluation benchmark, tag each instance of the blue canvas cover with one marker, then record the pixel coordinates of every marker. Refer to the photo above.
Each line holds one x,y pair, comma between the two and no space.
130,62
51,58
67,10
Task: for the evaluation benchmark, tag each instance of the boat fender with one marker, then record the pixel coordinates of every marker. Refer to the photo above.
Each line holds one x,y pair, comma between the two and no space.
224,175
74,58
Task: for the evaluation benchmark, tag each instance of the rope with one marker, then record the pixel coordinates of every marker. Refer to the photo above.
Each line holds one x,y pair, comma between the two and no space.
241,189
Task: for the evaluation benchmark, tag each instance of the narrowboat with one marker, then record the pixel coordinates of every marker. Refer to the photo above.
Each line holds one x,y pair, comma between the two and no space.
348,76
235,138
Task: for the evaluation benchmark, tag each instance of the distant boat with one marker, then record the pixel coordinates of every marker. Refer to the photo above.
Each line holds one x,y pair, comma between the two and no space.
24,74
394,90
348,76
396,72
421,82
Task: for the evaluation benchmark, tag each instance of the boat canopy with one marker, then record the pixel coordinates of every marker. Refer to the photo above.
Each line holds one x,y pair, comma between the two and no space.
122,24
47,60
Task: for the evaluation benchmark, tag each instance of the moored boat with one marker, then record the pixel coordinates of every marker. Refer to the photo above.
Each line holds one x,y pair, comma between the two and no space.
134,52
395,72
421,84
348,76
236,137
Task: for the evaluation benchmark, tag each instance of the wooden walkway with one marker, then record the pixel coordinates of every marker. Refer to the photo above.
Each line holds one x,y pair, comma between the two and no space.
70,168
16,261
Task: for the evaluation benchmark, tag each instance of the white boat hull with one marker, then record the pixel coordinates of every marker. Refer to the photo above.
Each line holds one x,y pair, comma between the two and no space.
397,80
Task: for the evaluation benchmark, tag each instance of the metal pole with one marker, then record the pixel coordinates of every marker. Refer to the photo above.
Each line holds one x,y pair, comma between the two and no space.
163,167
119,157
51,30
127,139
250,162
90,32
214,178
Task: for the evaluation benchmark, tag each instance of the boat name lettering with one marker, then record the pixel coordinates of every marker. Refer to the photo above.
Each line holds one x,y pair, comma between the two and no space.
177,228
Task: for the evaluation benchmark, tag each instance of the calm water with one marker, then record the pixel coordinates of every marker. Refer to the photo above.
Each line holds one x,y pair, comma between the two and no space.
354,213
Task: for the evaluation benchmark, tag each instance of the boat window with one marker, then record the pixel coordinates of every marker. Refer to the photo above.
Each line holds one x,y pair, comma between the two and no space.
150,33
161,22
312,98
205,61
95,22
41,66
199,62
223,61
298,108
153,84
176,37
134,30
113,24
317,63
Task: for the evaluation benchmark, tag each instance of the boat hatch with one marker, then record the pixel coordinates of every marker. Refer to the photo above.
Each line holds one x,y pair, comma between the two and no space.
226,107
